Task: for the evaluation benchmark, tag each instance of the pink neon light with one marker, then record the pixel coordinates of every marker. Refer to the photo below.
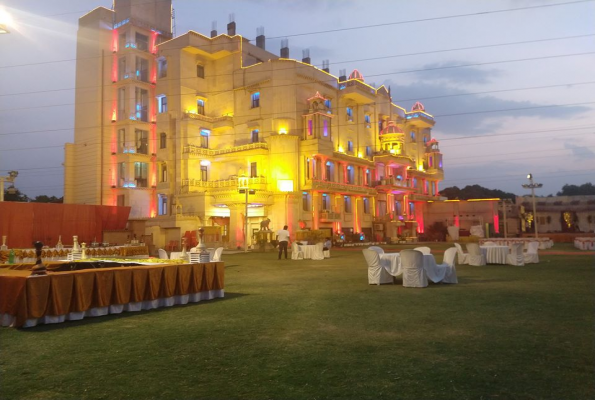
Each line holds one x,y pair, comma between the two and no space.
457,221
115,40
114,68
496,223
154,42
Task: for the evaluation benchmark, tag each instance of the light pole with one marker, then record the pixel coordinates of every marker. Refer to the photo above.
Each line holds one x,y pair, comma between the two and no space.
244,187
533,186
10,178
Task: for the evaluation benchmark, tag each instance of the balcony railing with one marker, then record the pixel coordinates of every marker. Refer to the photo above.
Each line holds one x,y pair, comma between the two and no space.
341,187
329,216
206,118
256,182
391,181
201,151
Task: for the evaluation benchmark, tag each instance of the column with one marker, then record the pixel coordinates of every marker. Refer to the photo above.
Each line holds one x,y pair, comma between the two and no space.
236,226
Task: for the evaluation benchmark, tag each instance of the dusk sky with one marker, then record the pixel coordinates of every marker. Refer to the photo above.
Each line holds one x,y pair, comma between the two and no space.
512,90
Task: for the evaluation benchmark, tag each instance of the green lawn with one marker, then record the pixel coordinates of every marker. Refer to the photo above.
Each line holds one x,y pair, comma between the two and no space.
316,330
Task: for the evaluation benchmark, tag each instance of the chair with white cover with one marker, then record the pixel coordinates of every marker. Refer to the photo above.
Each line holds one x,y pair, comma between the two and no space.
318,253
377,274
463,257
475,257
163,254
327,253
217,254
296,254
424,250
377,249
449,262
489,243
516,256
531,256
412,263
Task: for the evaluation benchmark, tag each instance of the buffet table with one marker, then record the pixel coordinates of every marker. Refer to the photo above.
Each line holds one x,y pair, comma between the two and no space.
26,300
544,242
53,254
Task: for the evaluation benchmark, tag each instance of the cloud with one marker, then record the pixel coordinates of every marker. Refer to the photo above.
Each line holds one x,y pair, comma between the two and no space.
450,72
463,114
581,153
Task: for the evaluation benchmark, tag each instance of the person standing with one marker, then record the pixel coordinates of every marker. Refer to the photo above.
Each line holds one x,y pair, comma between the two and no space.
283,238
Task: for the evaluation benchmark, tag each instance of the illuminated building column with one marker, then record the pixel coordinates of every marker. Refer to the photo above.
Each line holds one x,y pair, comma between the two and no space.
236,225
315,209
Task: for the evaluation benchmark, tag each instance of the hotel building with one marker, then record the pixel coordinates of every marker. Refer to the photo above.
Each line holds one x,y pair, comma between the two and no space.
175,127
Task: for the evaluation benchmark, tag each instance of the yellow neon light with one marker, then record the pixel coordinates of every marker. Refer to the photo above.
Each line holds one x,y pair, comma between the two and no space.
285,185
493,199
282,131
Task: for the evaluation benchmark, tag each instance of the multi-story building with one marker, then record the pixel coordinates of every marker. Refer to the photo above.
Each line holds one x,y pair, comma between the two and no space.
218,113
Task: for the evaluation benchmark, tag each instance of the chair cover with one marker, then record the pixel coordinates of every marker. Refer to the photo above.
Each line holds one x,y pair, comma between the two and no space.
217,254
327,253
296,254
476,230
475,257
377,249
463,257
531,256
453,232
449,263
318,253
377,274
412,262
163,254
516,256
424,250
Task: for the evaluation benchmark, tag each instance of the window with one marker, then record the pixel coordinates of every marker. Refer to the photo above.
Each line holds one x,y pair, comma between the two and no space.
142,42
122,68
122,41
349,112
367,120
368,177
328,104
162,104
398,208
425,140
200,107
162,204
412,133
200,71
142,104
121,174
122,141
305,201
310,124
329,171
350,146
325,128
142,69
308,168
255,136
162,140
368,151
122,104
431,161
141,173
347,201
253,170
326,202
204,138
204,173
380,126
366,202
162,68
381,208
426,187
350,179
414,183
163,175
411,210
142,141
255,99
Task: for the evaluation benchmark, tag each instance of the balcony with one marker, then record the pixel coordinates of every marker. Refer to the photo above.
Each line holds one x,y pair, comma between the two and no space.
328,186
329,216
420,119
257,183
198,151
390,158
390,184
224,121
357,91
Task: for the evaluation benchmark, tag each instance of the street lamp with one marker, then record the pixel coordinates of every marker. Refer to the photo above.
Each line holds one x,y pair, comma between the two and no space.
10,178
5,21
244,187
533,186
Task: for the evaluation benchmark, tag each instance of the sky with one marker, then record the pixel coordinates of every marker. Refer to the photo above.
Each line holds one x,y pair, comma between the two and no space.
511,83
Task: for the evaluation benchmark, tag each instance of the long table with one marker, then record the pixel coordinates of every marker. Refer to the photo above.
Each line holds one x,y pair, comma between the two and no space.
26,300
544,242
53,254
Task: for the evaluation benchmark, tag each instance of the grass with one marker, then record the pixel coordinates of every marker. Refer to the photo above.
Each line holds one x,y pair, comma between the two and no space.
317,330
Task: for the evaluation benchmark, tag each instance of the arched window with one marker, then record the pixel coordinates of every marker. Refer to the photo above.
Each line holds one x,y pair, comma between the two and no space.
162,140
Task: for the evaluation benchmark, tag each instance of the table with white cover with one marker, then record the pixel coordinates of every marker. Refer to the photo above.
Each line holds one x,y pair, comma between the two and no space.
544,242
392,262
584,243
495,254
307,249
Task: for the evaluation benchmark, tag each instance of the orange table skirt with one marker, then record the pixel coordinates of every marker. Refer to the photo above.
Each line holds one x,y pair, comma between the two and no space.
27,300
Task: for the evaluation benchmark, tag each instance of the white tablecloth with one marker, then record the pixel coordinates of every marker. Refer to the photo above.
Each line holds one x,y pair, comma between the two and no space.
585,243
544,242
307,249
495,254
392,262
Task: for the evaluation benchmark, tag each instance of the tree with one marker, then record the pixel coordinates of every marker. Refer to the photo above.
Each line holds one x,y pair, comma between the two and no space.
574,190
47,199
475,192
15,195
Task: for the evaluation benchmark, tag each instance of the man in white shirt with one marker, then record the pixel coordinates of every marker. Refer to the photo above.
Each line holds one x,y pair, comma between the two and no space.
283,238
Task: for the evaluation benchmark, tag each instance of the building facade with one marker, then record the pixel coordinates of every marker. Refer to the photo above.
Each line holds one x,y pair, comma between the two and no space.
196,119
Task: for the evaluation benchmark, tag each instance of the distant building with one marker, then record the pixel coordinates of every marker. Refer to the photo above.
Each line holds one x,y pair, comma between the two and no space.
558,214
175,127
